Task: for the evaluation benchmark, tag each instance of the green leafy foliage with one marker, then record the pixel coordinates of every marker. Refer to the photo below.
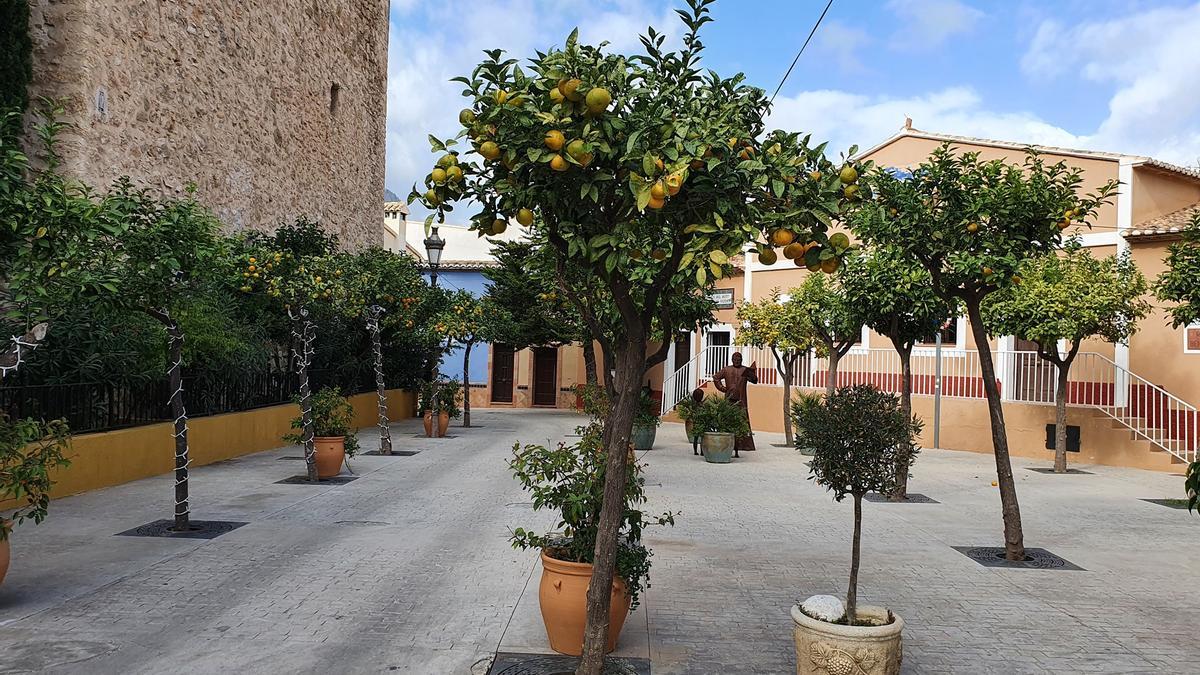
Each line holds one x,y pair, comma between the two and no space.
893,295
1191,486
16,62
1072,296
778,323
646,414
832,322
720,415
569,480
333,416
1180,283
29,450
523,285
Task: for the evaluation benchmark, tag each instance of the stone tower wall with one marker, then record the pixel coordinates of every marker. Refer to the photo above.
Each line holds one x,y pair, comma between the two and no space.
273,108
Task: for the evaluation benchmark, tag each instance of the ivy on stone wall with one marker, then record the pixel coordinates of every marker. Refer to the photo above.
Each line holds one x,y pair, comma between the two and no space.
16,59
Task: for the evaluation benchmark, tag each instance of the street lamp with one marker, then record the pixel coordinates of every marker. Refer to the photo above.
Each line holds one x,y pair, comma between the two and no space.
433,250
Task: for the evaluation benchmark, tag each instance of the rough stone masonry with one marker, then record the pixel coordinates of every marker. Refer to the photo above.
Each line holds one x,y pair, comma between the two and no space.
272,108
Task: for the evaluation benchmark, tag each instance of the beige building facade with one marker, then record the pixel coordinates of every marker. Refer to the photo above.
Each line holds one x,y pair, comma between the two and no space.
274,109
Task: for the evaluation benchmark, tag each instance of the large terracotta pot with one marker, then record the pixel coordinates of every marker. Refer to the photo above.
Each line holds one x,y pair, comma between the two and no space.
428,419
717,447
330,453
823,648
563,598
443,423
643,437
5,555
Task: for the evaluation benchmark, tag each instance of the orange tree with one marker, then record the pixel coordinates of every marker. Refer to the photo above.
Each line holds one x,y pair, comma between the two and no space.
891,294
832,322
296,270
386,290
650,174
783,327
468,320
972,224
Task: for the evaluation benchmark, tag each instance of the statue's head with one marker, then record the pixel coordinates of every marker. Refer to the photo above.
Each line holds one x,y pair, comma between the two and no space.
737,358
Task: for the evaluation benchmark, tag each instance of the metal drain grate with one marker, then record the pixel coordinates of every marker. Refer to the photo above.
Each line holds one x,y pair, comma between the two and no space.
395,453
1050,470
1035,558
303,480
510,663
199,529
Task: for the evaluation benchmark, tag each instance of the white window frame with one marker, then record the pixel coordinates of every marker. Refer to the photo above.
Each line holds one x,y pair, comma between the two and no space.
956,350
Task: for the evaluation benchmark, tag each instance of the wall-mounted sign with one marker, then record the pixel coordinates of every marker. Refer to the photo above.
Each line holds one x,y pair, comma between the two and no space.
723,297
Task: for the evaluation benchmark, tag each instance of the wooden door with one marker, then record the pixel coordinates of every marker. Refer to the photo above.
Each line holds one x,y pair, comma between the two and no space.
545,376
502,374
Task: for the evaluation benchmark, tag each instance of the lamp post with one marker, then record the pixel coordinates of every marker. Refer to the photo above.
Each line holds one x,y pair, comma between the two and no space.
433,250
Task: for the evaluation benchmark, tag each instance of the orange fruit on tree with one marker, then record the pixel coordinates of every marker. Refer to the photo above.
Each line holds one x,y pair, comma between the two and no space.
500,96
972,227
555,140
447,160
454,174
1064,224
793,250
466,117
829,266
575,149
597,99
657,191
782,237
499,225
658,163
438,175
674,183
584,158
525,217
558,163
851,191
658,254
767,256
848,174
656,203
570,88
489,150
556,95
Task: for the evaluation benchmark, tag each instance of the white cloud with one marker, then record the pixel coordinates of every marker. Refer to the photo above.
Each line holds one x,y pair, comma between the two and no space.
845,118
843,44
926,24
1152,59
447,40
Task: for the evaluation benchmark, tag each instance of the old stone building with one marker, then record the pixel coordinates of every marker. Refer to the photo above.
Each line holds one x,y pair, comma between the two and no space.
273,108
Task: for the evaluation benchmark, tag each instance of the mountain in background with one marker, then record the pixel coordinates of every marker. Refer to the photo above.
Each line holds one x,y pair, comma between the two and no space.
389,196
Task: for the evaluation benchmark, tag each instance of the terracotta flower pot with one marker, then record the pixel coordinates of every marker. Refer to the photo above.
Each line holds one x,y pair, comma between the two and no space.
823,648
563,598
643,437
330,453
717,447
443,422
427,418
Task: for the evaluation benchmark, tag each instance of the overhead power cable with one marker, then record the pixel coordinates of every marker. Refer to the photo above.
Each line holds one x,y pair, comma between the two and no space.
806,41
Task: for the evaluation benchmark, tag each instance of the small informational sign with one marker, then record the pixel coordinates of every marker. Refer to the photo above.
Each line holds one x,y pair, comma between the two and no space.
723,297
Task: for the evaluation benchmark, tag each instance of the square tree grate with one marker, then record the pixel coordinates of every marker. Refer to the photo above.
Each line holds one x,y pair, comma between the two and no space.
395,453
434,438
1050,470
511,663
303,480
1035,558
197,529
1169,503
910,498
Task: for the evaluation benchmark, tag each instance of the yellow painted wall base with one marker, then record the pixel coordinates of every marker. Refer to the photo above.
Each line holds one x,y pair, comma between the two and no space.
965,426
115,457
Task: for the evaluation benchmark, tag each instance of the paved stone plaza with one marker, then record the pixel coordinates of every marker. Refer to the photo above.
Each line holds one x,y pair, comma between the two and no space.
408,569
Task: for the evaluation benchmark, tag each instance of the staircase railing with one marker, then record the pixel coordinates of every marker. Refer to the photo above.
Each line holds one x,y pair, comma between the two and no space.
1095,381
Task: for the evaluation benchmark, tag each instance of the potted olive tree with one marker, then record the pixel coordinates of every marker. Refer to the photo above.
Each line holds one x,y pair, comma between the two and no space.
645,423
568,479
28,451
719,422
333,431
858,435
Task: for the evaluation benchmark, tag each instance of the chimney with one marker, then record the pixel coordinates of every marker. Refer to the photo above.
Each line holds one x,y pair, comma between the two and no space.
907,123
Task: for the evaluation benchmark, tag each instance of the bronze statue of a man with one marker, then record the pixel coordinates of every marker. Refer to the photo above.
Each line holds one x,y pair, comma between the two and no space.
732,381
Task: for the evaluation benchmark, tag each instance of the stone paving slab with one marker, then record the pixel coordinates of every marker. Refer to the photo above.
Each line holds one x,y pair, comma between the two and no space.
408,569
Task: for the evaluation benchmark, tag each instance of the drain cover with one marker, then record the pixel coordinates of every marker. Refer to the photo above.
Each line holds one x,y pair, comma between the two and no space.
199,529
1035,558
303,480
510,663
1050,470
395,453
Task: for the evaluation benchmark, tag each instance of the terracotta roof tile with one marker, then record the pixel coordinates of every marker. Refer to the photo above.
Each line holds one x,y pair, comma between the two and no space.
1167,225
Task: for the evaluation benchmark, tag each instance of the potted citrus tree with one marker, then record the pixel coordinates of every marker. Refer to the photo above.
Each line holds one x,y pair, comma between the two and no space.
333,431
427,406
449,396
686,409
645,423
719,422
858,436
28,451
569,479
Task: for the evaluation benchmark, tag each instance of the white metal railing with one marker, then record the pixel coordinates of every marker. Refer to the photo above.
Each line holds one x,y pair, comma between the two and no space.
1095,381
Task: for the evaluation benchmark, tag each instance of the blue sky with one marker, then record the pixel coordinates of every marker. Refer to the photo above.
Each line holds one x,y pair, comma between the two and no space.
1116,76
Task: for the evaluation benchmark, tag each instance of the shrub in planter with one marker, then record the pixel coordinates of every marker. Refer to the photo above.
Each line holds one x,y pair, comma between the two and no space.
858,435
28,451
569,479
804,402
686,409
333,431
719,422
645,423
449,398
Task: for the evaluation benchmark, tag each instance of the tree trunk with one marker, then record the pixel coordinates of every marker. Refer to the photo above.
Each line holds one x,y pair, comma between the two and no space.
467,384
303,333
787,365
179,414
852,591
902,466
385,431
630,361
1060,416
589,362
831,375
1014,538
14,355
